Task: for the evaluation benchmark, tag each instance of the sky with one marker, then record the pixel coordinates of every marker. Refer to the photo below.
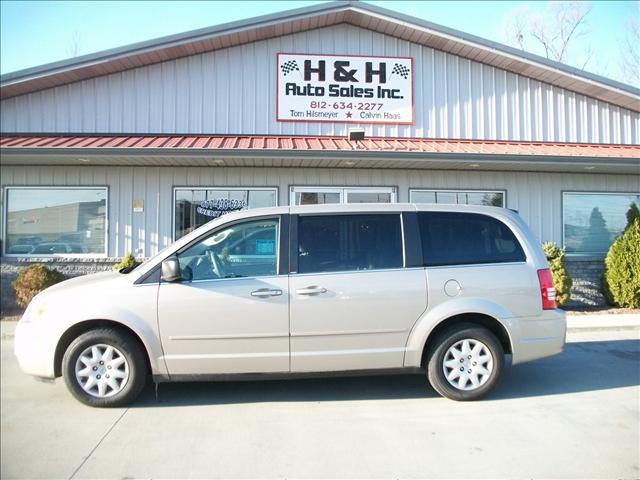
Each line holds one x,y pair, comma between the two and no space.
34,33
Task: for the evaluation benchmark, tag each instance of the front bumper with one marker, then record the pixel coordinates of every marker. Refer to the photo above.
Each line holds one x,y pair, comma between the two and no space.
539,337
35,349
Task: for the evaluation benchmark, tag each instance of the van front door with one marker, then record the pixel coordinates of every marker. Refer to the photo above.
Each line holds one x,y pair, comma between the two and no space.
230,312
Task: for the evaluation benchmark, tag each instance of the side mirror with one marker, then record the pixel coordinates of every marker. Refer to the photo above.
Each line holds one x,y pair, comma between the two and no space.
171,270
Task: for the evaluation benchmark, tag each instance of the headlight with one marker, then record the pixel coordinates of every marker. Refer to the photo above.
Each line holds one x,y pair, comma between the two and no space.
35,311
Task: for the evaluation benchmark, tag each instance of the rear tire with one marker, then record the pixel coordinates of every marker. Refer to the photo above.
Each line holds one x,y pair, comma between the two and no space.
104,368
465,362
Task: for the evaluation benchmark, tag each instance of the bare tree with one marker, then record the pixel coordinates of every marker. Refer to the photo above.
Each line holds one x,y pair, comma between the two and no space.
554,30
630,52
514,26
567,20
74,45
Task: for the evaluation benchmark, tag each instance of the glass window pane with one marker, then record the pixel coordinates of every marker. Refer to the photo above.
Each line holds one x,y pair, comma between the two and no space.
195,207
316,198
447,197
242,250
50,221
494,199
592,221
450,238
332,243
368,197
417,196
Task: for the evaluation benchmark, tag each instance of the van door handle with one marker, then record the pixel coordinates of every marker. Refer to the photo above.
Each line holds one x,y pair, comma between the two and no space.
266,292
311,290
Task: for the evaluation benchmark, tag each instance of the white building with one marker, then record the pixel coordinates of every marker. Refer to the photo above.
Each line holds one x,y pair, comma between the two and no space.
131,141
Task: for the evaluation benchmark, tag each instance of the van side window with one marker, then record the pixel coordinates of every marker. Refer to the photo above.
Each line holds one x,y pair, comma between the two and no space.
450,238
247,249
334,243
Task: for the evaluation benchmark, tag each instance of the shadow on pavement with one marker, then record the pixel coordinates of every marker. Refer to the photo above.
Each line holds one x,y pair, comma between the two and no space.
582,367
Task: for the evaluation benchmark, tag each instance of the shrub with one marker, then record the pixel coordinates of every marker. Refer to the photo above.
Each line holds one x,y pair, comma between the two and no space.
621,279
632,213
32,280
561,279
126,262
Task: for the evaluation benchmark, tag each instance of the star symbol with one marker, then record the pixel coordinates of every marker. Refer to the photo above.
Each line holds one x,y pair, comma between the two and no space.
348,114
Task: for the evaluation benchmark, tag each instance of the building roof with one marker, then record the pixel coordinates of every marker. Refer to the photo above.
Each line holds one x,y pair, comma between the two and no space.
352,12
325,151
242,144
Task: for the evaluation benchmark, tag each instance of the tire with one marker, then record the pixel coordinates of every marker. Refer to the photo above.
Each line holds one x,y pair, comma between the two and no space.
95,380
449,355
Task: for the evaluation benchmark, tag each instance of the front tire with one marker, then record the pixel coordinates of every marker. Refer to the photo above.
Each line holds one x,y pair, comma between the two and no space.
104,368
465,362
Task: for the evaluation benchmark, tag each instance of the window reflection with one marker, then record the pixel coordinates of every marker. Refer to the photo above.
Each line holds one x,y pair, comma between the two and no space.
451,197
592,221
242,250
191,211
56,221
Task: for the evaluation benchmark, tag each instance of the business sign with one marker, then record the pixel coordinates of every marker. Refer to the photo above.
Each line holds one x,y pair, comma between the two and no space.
343,88
218,207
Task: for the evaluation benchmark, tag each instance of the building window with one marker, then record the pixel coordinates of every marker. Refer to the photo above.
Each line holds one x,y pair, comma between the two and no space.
591,221
458,197
196,206
324,195
43,221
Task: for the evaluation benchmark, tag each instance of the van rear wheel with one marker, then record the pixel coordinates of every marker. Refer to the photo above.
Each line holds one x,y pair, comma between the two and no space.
465,362
104,368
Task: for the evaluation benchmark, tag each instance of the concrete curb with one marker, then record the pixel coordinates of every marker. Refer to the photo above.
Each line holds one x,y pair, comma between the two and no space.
575,323
608,321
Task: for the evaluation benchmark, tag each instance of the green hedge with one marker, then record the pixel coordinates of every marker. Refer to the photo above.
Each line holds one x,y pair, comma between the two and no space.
126,262
561,279
621,279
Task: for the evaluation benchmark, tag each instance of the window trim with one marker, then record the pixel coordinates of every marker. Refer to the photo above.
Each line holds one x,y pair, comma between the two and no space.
176,188
342,190
457,190
5,222
562,224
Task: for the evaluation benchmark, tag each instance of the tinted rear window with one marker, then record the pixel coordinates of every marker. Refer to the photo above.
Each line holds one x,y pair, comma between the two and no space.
334,243
450,238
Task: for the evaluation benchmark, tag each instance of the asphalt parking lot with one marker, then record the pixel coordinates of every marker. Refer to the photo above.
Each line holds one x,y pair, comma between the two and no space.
572,416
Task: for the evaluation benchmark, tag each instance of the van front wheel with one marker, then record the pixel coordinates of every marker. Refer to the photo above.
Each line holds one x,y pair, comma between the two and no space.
465,362
104,368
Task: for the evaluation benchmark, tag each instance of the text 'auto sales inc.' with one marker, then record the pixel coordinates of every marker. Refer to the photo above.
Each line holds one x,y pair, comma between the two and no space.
129,149
345,89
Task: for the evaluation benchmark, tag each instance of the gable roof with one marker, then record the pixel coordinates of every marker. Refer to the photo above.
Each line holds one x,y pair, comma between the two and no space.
323,15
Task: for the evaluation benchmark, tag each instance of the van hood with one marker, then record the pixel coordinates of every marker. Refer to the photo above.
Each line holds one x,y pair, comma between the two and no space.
91,280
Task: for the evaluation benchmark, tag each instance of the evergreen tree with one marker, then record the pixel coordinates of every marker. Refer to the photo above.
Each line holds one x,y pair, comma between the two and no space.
621,279
561,279
632,213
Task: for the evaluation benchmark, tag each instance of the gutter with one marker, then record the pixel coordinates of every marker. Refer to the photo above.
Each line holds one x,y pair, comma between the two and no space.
328,154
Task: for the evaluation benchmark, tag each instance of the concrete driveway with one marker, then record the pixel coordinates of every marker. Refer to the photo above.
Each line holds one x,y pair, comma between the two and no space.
572,416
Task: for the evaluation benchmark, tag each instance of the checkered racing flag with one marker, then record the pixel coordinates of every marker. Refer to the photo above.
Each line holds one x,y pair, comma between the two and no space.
288,67
400,70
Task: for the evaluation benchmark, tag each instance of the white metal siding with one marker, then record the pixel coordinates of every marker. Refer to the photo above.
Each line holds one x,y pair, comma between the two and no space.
232,91
537,196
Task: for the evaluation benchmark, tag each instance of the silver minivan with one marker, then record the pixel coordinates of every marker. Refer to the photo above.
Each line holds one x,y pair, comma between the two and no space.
305,290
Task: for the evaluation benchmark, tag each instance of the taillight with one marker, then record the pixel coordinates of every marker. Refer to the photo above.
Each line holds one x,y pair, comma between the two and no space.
547,290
